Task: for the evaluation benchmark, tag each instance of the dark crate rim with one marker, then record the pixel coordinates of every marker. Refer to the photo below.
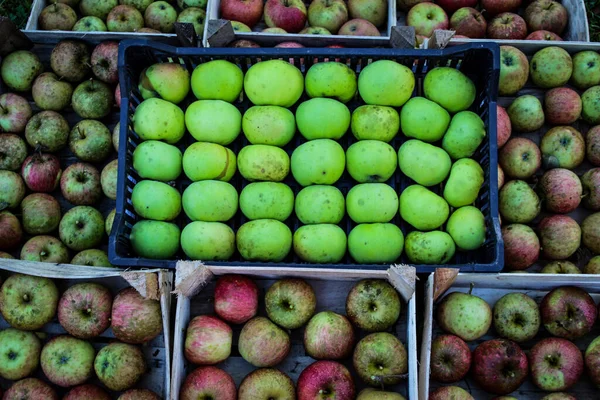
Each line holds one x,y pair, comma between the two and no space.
495,265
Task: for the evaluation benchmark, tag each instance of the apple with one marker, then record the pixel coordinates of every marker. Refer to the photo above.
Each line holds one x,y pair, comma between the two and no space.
507,26
86,392
168,81
289,15
157,119
28,302
124,18
140,5
373,11
380,359
426,18
562,106
385,83
6,255
592,361
450,392
469,22
591,108
561,190
568,312
358,27
236,298
450,359
135,319
19,69
319,81
464,315
311,159
207,340
91,258
262,343
371,161
217,80
373,305
556,364
328,336
92,99
40,214
406,5
586,69
325,378
516,317
290,303
520,158
30,388
90,140
156,200
591,189
118,104
15,112
560,237
67,361
590,233
263,79
593,266
514,70
504,128
329,14
521,247
108,223
183,4
526,114
51,93
237,26
12,189
266,383
195,16
314,30
80,184
90,24
108,179
321,118
70,60
277,31
57,17
13,151
97,8
20,353
499,366
104,62
48,131
495,7
546,15
11,231
543,35
155,239
45,249
500,177
221,164
248,12
120,366
551,67
82,227
560,267
209,382
441,81
563,146
84,310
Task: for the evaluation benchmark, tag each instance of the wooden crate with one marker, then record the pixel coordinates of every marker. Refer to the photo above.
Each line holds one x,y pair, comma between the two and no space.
160,283
491,287
331,287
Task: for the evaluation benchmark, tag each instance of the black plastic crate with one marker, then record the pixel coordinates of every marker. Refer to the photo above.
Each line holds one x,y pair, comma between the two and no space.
478,61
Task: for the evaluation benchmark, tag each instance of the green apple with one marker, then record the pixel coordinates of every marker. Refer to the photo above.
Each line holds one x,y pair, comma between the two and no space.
19,70
318,162
591,105
20,352
155,239
238,26
518,203
208,241
168,81
195,16
586,69
374,394
435,247
97,8
375,122
264,240
386,83
450,88
320,204
273,83
320,243
465,315
267,200
526,114
375,243
157,160
371,161
422,208
321,118
156,200
466,225
270,125
214,121
331,79
259,162
141,5
551,67
217,80
203,160
90,24
464,135
424,120
424,163
464,183
371,202
210,201
157,119
67,361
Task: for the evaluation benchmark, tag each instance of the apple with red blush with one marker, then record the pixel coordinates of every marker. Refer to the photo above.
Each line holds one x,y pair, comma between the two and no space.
248,12
568,312
289,15
323,379
208,383
468,22
504,127
543,35
41,172
562,106
236,298
556,364
450,359
507,26
495,7
500,366
207,340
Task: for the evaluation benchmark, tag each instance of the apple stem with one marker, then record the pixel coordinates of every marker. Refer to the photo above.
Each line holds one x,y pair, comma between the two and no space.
471,287
80,132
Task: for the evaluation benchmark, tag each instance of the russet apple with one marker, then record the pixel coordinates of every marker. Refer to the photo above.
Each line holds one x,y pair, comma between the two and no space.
568,312
80,184
47,131
161,16
464,315
141,5
45,248
41,172
67,361
359,27
561,190
91,258
507,26
325,378
314,30
97,8
591,233
562,106
266,383
495,7
57,16
551,67
12,189
373,11
526,114
195,16
591,189
543,35
504,128
51,93
70,60
104,62
11,231
236,298
290,303
259,162
518,203
591,106
592,361
500,366
426,18
81,228
139,394
516,317
563,146
32,388
262,343
520,158
380,359
40,214
450,392
450,359
586,69
92,99
560,267
328,336
90,141
20,353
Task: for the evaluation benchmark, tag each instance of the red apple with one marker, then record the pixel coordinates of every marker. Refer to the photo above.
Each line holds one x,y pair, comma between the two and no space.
236,298
556,364
469,22
11,231
86,392
543,35
325,379
562,106
248,12
568,312
105,62
560,190
451,6
290,45
546,15
427,17
521,247
592,361
84,310
359,27
507,26
450,359
560,237
289,15
504,127
499,366
41,172
208,383
495,7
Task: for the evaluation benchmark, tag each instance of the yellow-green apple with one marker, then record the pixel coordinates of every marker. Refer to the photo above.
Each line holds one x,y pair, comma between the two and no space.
373,305
209,382
270,125
551,67
560,237
104,61
518,203
464,315
110,218
124,18
563,146
92,99
41,172
97,8
264,80
434,247
521,247
561,190
155,239
328,336
286,14
135,319
386,83
262,343
514,70
217,80
161,16
57,17
568,312
28,302
47,131
139,394
422,208
556,364
546,15
90,24
591,106
207,241
466,225
70,60
236,298
520,158
141,5
45,249
120,366
248,12
156,200
464,135
591,233
469,22
320,161
266,383
414,157
526,114
373,11
157,160
290,303
358,27
500,366
91,258
562,106
426,18
314,30
325,378
210,201
516,317
560,267
507,26
90,140
459,193
259,162
591,189
157,119
320,243
214,121
375,122
375,243
203,160
11,231
264,240
80,184
267,200
371,161
82,227
543,35
238,26
13,189
40,214
380,359
49,93
592,361
441,81
329,14
371,202
195,16
168,81
494,7
115,136
586,69
274,30
450,359
207,340
320,204
31,388
19,69
67,361
331,79
84,310
15,112
108,179
322,118
20,353
374,394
